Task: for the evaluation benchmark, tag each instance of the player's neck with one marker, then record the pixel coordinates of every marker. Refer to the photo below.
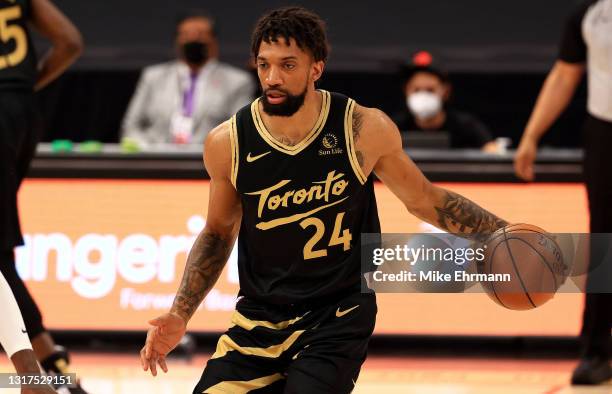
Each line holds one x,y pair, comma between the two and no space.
290,130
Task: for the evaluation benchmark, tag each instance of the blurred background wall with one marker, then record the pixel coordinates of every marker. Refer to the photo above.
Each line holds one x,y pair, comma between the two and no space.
496,51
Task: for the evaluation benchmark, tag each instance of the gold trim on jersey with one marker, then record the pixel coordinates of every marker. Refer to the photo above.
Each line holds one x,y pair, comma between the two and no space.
350,142
241,321
235,151
300,146
227,344
243,386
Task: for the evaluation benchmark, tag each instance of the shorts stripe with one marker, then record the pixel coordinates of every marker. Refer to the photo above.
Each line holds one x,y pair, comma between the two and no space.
241,321
227,344
243,386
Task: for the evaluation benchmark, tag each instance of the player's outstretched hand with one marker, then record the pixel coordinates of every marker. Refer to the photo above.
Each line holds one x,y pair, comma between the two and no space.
166,333
524,159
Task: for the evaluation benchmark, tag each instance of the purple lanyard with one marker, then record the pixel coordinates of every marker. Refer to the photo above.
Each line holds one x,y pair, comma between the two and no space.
188,95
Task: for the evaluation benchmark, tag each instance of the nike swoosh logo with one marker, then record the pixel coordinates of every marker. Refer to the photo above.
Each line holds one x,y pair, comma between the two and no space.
24,331
251,159
342,313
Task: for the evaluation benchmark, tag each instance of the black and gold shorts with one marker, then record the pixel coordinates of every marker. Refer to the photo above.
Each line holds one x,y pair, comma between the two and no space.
292,349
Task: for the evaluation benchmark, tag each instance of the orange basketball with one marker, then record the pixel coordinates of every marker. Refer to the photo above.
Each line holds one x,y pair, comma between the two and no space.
523,267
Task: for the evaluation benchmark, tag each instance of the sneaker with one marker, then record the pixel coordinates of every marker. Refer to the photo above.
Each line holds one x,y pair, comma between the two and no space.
592,370
56,364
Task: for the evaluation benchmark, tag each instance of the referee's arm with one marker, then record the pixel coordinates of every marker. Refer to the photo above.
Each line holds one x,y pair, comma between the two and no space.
556,94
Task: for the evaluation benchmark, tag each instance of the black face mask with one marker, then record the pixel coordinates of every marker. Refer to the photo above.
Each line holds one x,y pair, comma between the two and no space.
195,52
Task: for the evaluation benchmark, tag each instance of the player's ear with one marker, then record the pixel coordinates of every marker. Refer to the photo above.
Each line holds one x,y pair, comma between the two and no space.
317,70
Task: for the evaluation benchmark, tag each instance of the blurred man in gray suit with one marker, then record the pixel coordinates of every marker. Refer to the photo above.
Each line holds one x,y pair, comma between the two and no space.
182,100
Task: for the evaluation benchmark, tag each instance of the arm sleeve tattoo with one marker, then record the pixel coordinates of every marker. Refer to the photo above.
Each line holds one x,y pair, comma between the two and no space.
458,215
204,265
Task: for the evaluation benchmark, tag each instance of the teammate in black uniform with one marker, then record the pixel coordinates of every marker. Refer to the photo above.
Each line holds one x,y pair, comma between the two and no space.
585,46
292,173
20,76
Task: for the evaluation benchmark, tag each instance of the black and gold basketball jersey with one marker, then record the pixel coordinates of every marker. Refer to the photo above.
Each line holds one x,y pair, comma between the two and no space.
304,206
17,55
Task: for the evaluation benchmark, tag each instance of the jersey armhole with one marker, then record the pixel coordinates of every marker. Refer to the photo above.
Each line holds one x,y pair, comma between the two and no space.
350,143
235,151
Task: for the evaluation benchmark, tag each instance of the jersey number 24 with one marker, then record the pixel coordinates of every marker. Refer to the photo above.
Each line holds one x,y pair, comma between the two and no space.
343,239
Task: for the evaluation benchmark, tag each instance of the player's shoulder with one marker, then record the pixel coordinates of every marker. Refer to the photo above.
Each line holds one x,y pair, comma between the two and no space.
218,148
369,119
220,135
373,129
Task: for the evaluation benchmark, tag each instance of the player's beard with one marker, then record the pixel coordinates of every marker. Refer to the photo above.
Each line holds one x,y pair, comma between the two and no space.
288,107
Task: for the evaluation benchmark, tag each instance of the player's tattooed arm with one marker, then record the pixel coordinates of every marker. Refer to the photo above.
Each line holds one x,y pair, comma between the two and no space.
357,125
204,265
459,215
449,211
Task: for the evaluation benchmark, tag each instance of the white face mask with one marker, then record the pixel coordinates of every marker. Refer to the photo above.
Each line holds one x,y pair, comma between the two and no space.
424,105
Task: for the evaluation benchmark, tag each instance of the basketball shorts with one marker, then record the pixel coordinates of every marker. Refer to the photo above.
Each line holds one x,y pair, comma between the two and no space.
19,133
312,349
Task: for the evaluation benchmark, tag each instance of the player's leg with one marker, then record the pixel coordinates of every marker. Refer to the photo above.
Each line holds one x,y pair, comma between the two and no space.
29,310
594,365
252,355
27,148
239,373
19,133
595,333
15,134
42,342
13,129
53,359
332,354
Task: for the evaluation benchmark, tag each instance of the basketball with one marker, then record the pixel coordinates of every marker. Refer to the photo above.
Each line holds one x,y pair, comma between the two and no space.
523,265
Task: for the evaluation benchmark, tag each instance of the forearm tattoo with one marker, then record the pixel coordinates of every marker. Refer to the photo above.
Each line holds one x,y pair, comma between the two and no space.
458,215
204,265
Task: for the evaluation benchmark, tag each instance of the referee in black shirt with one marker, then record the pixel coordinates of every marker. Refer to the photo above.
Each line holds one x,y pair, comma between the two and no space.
21,73
586,43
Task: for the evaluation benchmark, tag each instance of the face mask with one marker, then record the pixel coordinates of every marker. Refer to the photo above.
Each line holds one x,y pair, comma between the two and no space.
195,52
424,105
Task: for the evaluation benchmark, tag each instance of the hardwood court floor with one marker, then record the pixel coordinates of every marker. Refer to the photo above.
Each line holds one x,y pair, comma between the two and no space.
121,374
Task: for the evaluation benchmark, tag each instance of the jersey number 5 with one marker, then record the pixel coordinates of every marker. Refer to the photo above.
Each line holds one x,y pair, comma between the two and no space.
336,238
12,32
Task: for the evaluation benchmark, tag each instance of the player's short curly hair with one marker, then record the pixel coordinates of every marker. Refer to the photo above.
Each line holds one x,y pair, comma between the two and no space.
305,27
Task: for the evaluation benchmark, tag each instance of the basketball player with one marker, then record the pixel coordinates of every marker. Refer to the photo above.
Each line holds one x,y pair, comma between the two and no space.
586,41
19,132
293,174
14,338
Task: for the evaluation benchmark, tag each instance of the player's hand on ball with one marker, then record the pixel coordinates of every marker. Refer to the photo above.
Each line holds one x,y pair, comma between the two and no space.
525,267
524,159
166,333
